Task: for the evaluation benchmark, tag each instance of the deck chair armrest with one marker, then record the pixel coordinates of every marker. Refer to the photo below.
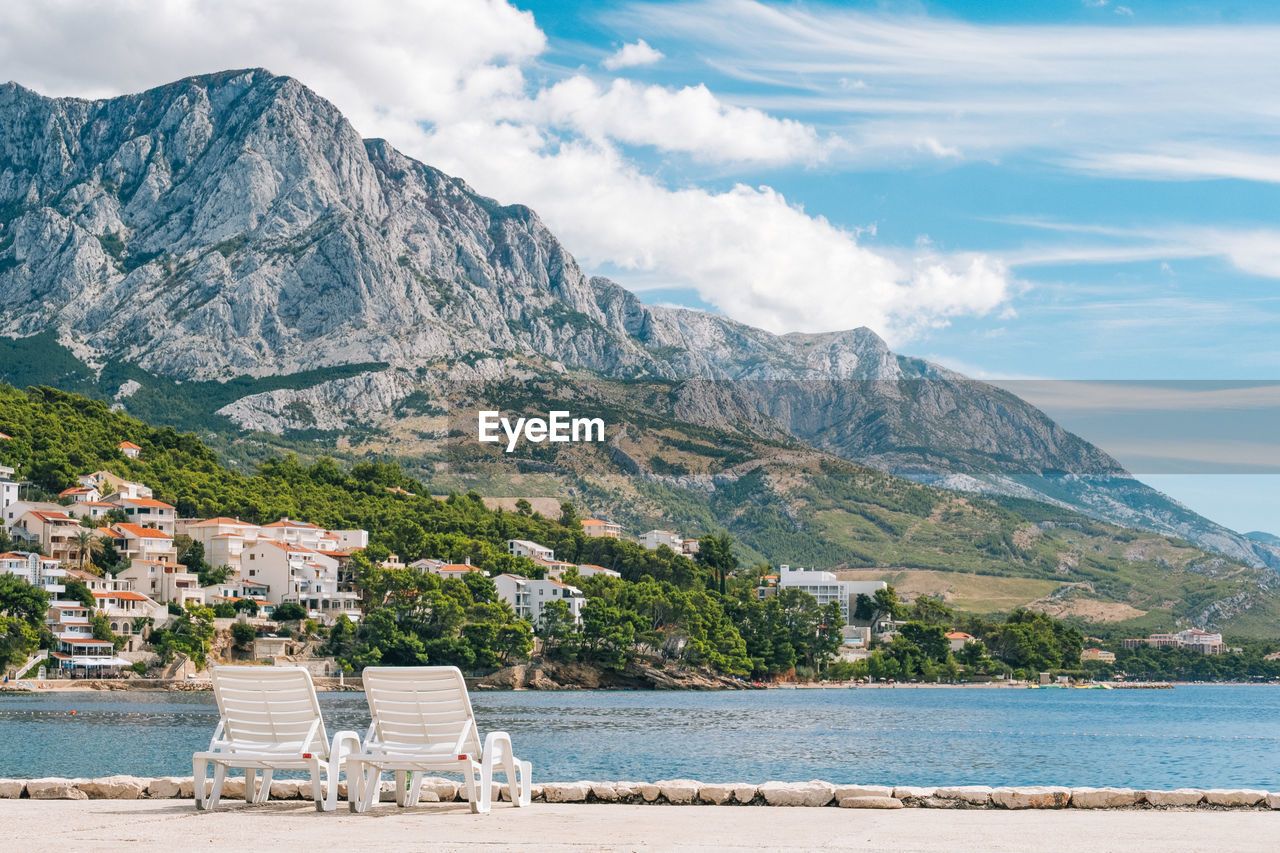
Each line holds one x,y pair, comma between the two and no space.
460,745
494,741
216,742
345,743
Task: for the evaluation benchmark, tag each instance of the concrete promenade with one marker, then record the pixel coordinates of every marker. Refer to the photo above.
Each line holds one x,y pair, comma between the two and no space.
168,825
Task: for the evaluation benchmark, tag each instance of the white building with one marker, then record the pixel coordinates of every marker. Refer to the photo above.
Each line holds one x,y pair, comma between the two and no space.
8,489
294,574
586,570
655,539
447,570
107,483
141,543
163,581
532,550
825,587
129,449
145,512
528,597
36,570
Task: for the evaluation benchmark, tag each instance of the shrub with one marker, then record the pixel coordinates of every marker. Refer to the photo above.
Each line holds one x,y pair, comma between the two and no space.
244,634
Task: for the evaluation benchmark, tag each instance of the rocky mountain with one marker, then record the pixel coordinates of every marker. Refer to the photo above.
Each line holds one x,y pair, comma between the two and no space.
232,235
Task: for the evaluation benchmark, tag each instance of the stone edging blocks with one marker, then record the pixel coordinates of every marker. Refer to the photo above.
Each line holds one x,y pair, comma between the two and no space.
814,794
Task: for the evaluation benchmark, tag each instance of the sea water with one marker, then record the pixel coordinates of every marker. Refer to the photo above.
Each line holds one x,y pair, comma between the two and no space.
1193,736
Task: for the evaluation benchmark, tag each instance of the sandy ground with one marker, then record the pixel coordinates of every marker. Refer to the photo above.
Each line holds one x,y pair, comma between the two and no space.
169,825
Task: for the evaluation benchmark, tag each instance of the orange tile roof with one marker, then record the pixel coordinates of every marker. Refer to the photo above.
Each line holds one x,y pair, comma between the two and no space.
285,522
128,445
958,635
75,490
52,516
4,437
122,594
456,567
141,532
152,502
587,521
220,520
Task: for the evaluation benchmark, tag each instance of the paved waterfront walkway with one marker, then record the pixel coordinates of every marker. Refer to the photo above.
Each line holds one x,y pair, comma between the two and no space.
137,825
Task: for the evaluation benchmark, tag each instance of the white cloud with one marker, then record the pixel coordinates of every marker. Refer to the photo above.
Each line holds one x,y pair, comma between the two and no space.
632,55
445,81
1251,250
690,120
1132,98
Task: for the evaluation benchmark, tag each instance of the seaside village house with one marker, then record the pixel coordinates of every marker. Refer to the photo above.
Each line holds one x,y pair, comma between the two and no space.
129,449
43,572
1205,642
825,587
1097,654
595,528
655,539
126,608
284,561
528,596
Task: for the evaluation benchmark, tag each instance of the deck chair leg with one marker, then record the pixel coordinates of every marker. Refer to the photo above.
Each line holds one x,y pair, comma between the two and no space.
402,781
355,771
198,769
219,776
317,792
509,767
526,783
369,784
415,788
476,794
250,785
331,771
264,786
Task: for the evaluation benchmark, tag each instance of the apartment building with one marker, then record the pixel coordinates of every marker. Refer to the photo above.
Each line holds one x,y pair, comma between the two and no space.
825,587
163,581
145,512
299,575
528,596
596,528
141,543
43,572
532,550
8,488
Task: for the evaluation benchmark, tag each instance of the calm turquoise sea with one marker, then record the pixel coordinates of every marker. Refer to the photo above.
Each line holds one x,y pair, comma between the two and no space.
1199,735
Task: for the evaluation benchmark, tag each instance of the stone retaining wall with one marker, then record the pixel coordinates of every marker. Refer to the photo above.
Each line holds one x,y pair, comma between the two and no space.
689,792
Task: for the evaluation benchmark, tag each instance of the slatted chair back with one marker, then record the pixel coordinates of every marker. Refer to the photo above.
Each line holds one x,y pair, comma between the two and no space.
269,707
413,706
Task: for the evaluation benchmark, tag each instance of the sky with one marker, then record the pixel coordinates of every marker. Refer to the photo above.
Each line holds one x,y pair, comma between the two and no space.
1083,190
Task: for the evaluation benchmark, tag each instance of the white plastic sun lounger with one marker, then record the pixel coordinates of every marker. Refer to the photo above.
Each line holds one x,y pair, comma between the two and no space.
422,721
270,720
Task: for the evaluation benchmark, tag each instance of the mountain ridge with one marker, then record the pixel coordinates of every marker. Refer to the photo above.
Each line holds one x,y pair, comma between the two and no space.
235,224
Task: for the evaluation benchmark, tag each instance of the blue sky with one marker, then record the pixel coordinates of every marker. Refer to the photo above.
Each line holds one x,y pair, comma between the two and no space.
1095,297
1074,190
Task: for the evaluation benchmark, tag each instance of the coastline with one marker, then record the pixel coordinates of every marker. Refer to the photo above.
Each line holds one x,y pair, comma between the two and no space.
330,684
148,825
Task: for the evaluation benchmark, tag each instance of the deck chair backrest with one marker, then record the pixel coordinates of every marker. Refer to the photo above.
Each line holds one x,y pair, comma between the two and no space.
416,705
271,706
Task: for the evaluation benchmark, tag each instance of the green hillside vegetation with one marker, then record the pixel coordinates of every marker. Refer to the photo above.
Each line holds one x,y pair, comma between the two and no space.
702,612
781,503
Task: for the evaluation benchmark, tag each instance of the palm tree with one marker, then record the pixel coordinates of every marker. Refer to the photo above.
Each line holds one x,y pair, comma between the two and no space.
88,544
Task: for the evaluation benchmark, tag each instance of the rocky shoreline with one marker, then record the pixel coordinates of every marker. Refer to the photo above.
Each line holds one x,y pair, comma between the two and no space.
814,794
638,675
